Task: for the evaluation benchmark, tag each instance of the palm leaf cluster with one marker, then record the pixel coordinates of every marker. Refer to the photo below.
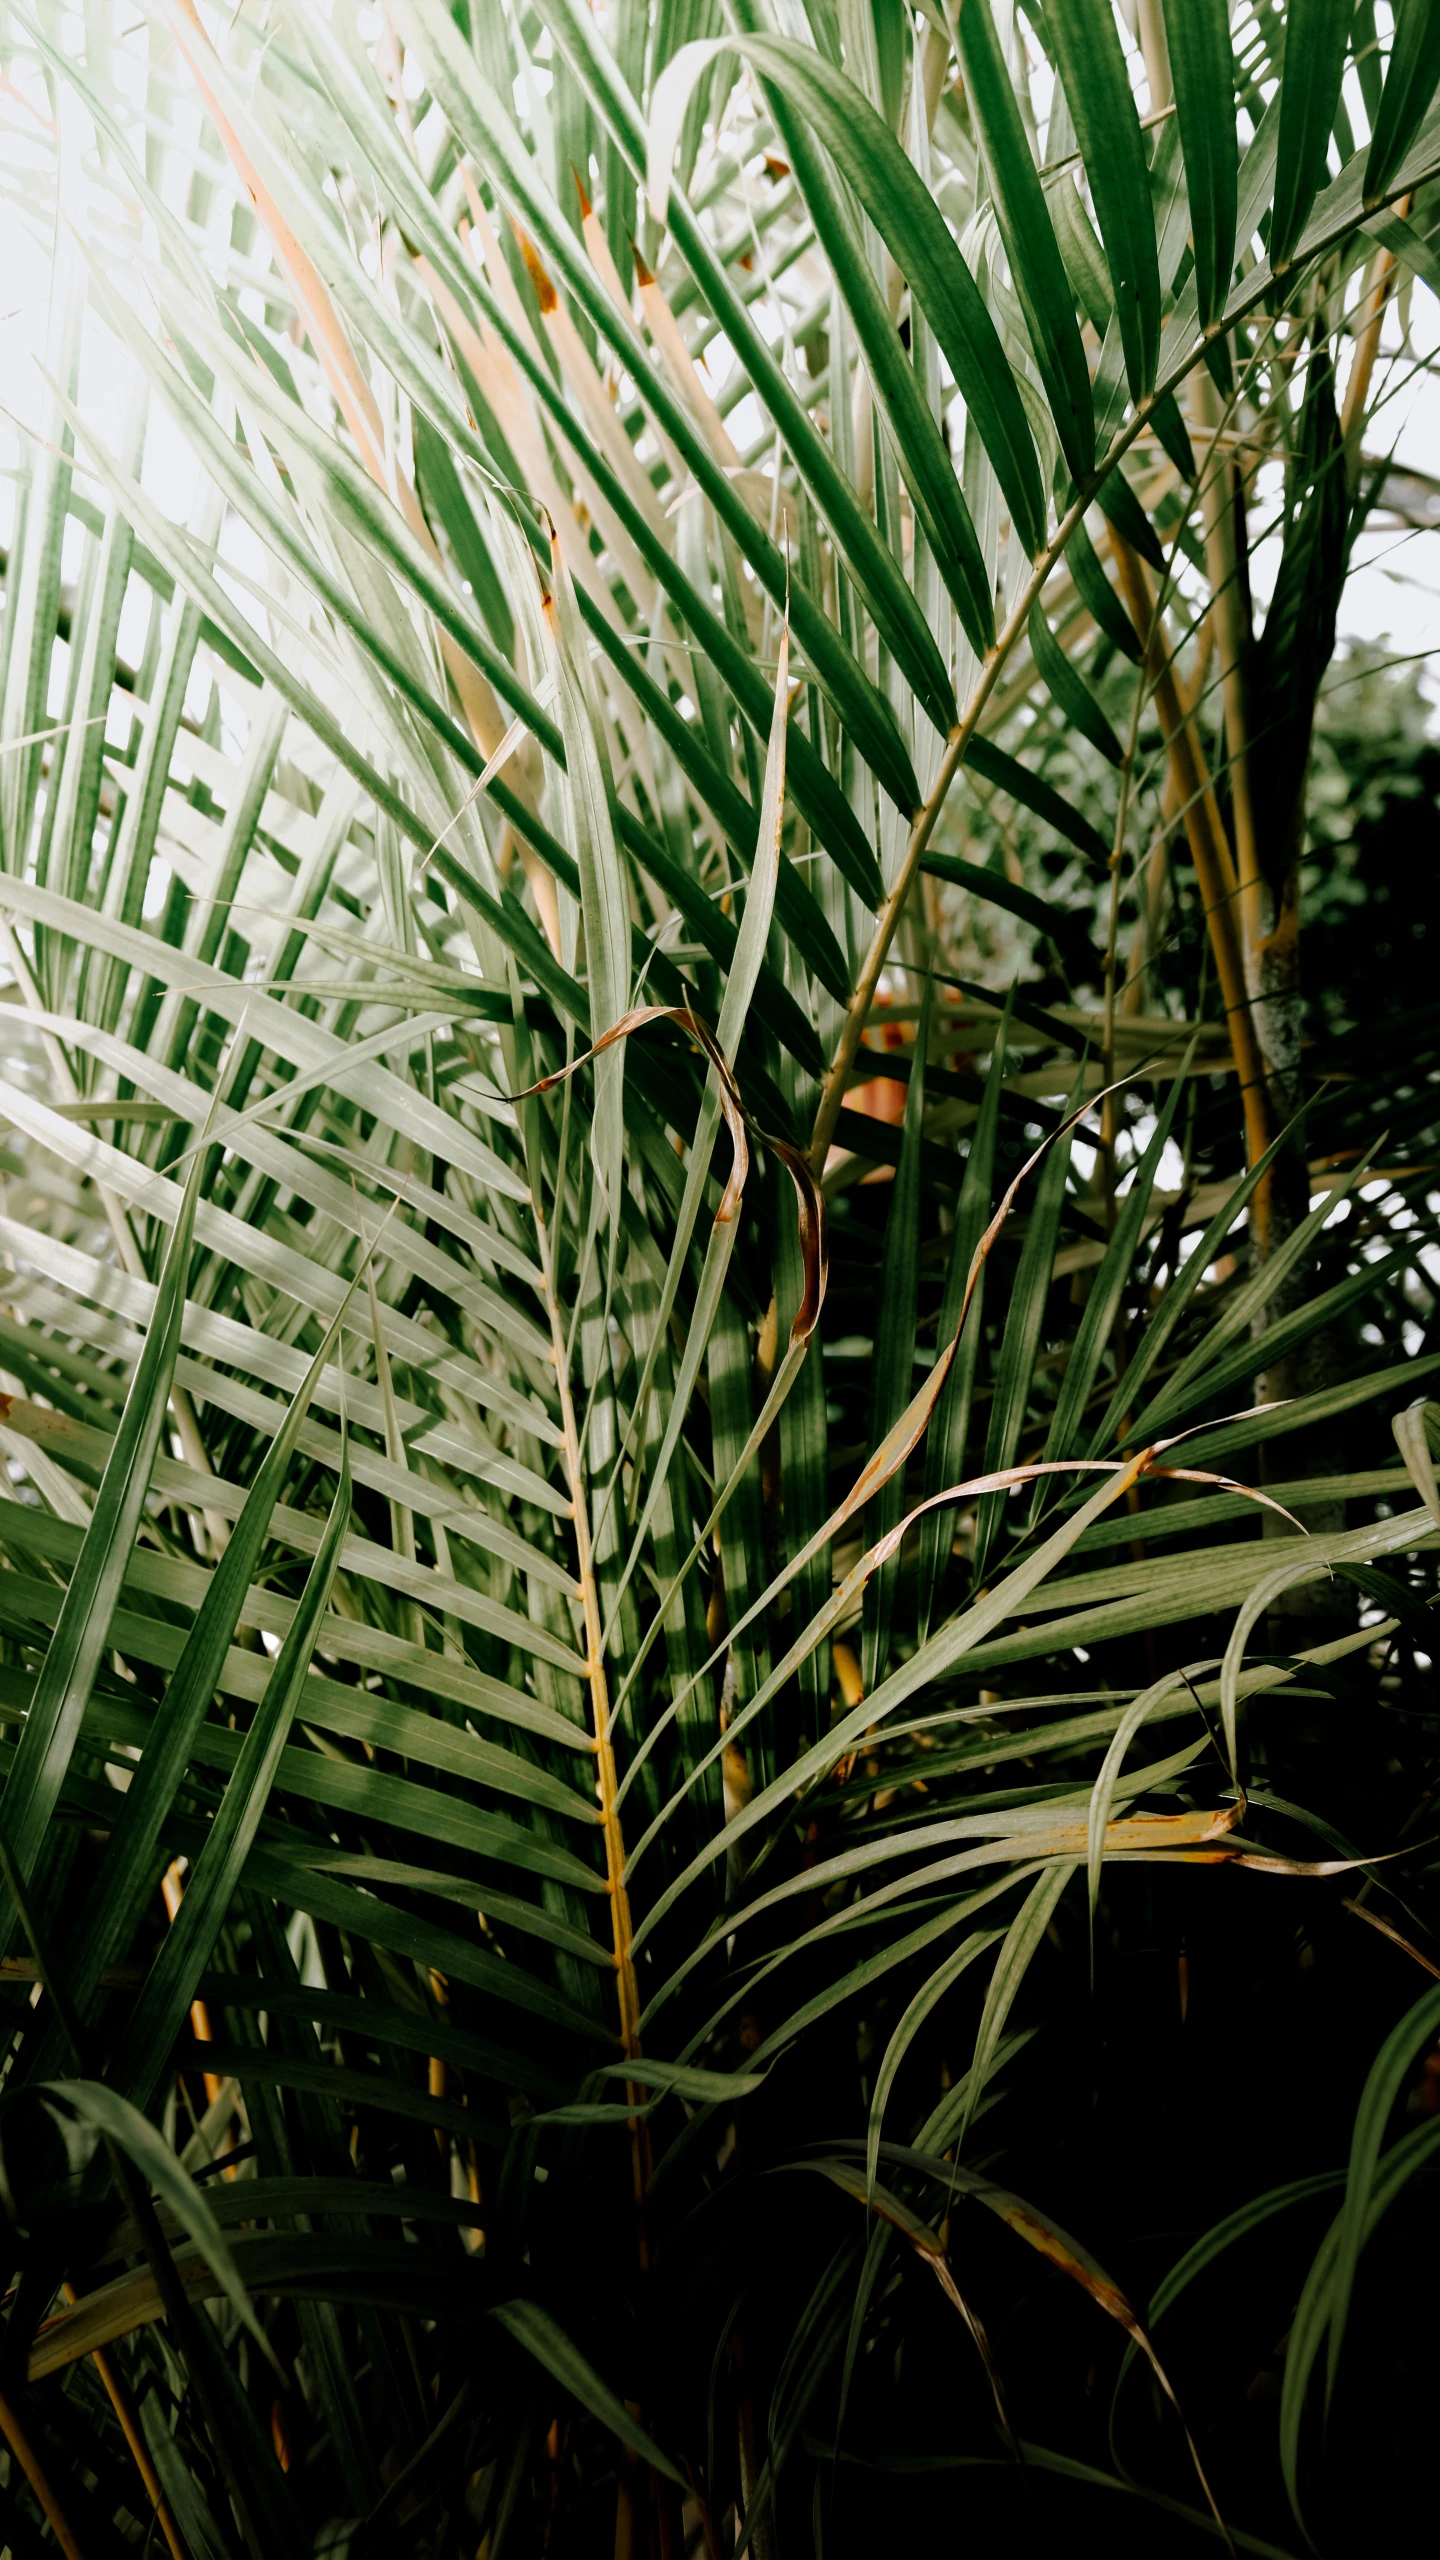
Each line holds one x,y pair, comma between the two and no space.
641,1099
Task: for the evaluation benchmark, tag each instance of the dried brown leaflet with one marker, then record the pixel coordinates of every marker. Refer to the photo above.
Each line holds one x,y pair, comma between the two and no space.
741,1123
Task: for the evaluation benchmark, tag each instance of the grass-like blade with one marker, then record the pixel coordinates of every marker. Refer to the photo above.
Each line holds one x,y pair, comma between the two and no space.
1414,2034
1317,34
1317,2308
1007,773
1198,33
926,1999
1410,82
1036,266
1099,597
1059,923
1017,1951
114,2117
1071,694
542,2337
1097,88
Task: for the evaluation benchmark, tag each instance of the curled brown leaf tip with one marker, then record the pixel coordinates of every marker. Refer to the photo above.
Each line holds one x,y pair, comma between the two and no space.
1228,1484
741,1123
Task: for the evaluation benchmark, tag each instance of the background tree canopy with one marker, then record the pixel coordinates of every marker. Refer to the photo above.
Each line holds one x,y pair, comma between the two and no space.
718,1135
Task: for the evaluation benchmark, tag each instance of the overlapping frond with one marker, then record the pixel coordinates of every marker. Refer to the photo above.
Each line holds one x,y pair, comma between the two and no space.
571,1343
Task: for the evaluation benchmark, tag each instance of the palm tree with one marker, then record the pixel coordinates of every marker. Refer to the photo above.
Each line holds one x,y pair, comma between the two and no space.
595,1524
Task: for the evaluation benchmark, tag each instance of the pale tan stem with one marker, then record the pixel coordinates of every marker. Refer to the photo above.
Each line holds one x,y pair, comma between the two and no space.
1219,500
124,2408
1379,287
1112,939
352,392
1156,863
1209,851
1142,948
621,1929
172,1894
16,2435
